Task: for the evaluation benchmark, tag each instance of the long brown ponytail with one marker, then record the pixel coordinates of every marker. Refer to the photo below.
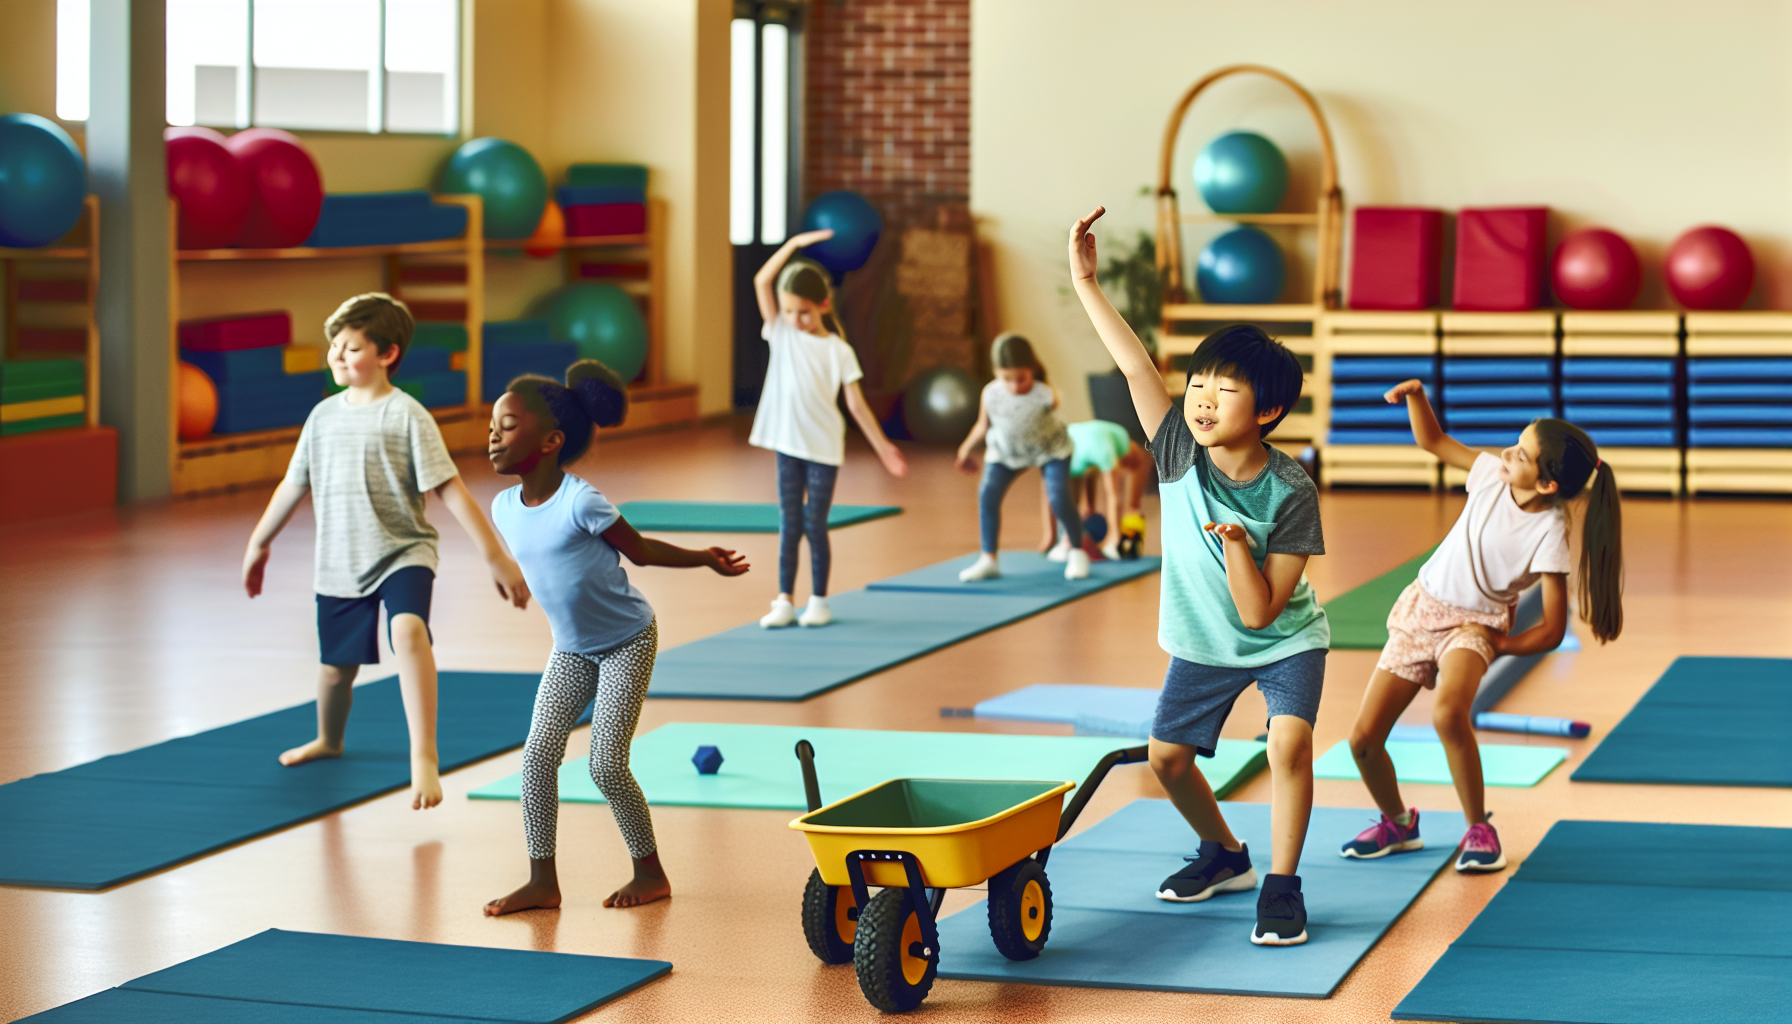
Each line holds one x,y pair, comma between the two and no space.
807,280
1567,456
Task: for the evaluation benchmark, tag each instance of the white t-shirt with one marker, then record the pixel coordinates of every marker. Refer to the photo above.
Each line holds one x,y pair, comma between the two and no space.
1496,550
797,411
1024,431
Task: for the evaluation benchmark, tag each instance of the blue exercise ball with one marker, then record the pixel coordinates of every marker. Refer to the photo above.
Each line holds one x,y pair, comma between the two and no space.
507,179
1241,172
1241,266
940,406
602,320
43,181
856,225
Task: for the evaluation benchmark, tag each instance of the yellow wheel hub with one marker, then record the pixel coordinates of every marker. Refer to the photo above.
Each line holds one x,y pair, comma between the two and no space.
844,925
914,968
1032,911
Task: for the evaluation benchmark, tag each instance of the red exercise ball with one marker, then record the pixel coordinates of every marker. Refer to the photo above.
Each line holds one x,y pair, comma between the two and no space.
210,184
198,403
1596,269
286,192
1710,268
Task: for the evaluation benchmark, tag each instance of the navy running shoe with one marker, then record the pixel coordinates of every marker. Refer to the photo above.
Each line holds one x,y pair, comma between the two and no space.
1214,869
1281,913
1480,850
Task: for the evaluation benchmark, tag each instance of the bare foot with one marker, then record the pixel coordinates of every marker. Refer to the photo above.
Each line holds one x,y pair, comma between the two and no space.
316,750
639,892
533,895
426,785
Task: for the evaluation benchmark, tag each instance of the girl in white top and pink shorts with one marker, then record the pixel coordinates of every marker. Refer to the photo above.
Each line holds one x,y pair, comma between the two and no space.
1450,623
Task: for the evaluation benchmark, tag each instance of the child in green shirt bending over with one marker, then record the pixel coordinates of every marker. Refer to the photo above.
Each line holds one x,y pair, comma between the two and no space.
1239,522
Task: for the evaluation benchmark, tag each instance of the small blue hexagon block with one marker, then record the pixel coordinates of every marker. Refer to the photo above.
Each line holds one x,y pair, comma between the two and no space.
707,759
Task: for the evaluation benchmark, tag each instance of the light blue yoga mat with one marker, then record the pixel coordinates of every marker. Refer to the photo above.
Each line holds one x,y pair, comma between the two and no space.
1109,930
873,629
282,976
733,517
760,770
1598,926
1705,722
1419,761
1067,704
1024,574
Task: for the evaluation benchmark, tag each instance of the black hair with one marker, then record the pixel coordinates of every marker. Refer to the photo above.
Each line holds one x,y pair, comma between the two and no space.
1013,352
1568,457
1245,351
593,396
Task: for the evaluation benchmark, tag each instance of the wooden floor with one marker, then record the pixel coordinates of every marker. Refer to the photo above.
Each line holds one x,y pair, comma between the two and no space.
127,628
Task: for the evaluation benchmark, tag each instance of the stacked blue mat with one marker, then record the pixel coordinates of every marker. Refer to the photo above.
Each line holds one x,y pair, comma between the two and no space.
1361,413
1622,403
254,390
1739,402
516,347
1627,923
426,374
385,218
1488,401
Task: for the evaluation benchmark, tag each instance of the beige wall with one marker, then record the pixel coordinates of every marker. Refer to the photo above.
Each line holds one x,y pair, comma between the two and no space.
1645,116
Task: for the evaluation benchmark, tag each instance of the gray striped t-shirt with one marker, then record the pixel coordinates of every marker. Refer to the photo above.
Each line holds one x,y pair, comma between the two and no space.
368,468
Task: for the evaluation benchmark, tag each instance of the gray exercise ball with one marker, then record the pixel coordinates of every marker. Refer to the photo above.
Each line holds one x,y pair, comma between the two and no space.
940,406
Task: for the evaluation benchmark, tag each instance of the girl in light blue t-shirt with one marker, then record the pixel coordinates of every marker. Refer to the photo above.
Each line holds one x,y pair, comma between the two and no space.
570,540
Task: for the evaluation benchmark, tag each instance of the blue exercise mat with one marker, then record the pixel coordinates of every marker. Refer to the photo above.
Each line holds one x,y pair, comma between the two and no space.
1705,722
108,821
874,629
1024,574
733,517
1047,702
282,976
1109,930
1598,926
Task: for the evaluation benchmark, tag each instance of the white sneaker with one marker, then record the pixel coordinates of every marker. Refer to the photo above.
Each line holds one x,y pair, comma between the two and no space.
984,568
1077,566
1111,551
817,613
783,613
1061,550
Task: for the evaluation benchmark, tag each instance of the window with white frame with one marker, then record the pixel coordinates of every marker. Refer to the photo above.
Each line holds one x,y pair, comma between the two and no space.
325,65
763,139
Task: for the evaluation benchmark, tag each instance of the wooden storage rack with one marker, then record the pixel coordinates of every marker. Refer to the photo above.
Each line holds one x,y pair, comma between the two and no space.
60,292
1370,333
1742,470
1530,333
1652,334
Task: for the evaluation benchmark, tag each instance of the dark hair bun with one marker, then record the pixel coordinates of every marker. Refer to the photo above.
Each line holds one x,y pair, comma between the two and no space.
600,391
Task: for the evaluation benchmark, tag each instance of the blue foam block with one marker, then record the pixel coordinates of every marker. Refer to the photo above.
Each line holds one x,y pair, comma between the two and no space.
873,629
1383,415
1483,437
1517,417
516,332
1699,391
1498,394
1751,370
120,817
1738,415
1479,368
1597,368
1705,722
267,361
1362,436
1046,702
385,218
1632,437
1109,930
1393,369
1364,392
504,363
438,390
1617,391
1738,437
423,360
1602,415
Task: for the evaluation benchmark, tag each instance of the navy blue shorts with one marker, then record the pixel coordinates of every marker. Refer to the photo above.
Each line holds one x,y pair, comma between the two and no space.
1197,698
348,628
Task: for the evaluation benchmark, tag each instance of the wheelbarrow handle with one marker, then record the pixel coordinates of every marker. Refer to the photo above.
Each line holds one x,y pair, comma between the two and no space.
1126,755
805,753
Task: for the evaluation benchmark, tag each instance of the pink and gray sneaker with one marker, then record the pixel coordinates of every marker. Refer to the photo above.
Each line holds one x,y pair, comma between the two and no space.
1480,850
1384,837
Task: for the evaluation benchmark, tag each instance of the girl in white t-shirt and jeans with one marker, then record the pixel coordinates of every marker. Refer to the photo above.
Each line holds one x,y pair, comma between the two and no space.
798,418
1450,623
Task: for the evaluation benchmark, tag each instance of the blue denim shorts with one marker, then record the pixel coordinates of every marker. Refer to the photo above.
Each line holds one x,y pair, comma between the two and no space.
1197,698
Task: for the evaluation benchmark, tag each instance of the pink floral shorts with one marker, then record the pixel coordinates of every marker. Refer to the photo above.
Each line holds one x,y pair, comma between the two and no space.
1421,629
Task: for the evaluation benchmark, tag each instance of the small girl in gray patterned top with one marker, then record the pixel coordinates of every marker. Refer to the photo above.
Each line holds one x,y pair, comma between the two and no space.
1019,422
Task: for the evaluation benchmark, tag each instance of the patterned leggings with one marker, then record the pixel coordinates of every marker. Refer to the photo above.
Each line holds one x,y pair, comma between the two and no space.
618,680
797,520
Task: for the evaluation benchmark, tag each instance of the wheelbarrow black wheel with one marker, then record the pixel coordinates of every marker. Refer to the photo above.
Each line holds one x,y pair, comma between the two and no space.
1020,910
894,966
830,919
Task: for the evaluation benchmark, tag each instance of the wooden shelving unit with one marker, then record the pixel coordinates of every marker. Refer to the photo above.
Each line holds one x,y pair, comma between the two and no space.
1652,335
58,295
1370,334
1744,470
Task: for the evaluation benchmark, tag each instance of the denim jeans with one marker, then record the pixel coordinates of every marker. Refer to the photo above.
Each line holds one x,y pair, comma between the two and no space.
997,477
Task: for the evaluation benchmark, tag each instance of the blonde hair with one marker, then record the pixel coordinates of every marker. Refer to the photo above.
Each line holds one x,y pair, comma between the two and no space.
806,279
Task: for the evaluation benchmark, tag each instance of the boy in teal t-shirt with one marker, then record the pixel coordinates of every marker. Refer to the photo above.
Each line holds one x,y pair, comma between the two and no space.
1240,520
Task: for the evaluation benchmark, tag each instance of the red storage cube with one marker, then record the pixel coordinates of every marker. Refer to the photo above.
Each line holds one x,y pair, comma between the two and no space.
606,219
1499,258
234,333
1395,257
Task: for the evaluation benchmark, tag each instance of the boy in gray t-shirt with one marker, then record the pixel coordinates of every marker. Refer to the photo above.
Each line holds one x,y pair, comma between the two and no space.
368,456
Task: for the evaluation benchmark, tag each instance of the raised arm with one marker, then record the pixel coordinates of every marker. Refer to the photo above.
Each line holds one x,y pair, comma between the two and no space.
1149,397
279,512
648,551
767,279
506,574
1426,432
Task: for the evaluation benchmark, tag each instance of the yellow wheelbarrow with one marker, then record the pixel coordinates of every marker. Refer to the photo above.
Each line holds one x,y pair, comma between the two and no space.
916,838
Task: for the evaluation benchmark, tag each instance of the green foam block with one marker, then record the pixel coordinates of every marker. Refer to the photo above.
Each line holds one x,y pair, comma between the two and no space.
1359,616
733,517
760,770
1422,761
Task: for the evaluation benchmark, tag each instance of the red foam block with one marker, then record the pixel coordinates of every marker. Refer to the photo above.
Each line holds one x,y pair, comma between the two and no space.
1396,254
1500,258
57,472
606,219
234,333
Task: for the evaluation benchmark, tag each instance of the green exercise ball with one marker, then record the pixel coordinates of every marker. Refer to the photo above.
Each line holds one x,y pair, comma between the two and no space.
506,178
940,406
602,320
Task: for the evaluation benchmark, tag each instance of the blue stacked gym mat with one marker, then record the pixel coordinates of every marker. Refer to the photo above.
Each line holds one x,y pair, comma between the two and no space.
1705,722
427,375
1622,403
1360,412
1605,922
1739,402
282,977
1488,401
884,625
1109,929
108,821
385,218
516,347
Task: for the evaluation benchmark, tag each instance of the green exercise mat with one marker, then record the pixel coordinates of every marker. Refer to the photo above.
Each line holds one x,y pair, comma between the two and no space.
759,767
733,517
1502,764
1359,616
